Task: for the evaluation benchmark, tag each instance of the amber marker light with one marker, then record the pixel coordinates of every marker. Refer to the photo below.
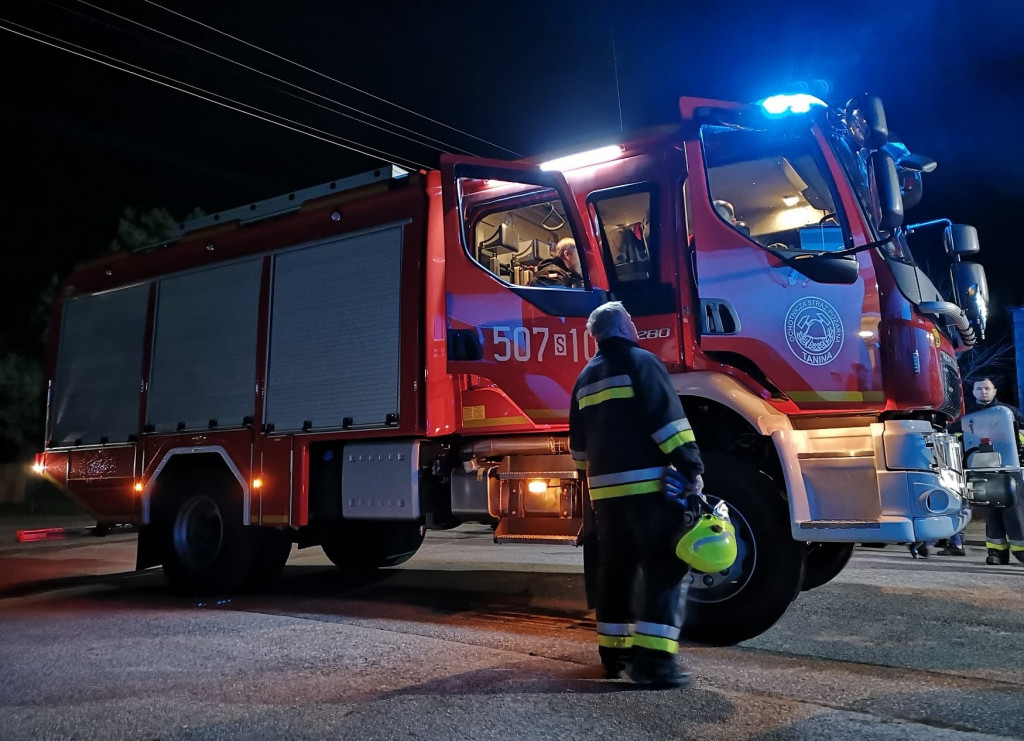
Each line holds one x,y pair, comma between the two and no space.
257,483
138,487
537,487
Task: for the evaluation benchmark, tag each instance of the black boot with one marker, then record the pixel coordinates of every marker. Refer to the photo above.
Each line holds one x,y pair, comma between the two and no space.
997,557
658,670
615,661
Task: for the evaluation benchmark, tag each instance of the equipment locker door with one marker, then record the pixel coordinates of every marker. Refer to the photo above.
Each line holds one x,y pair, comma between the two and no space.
517,347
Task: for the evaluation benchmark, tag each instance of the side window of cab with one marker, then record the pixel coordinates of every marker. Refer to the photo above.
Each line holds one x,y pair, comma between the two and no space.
527,241
773,189
627,219
624,216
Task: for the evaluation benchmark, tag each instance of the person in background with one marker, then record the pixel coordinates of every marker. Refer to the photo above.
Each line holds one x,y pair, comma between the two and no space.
725,210
919,549
626,426
1004,526
562,268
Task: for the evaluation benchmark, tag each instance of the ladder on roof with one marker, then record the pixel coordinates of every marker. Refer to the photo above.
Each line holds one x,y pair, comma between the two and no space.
284,203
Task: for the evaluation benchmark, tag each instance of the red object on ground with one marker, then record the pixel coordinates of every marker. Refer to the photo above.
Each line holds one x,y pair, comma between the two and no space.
46,533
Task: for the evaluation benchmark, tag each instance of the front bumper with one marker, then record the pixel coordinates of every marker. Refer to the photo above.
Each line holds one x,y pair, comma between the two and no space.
888,482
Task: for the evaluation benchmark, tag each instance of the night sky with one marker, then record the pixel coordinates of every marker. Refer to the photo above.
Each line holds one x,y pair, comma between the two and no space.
82,141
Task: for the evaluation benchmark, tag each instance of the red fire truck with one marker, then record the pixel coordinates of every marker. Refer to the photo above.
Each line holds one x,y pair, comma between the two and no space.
353,364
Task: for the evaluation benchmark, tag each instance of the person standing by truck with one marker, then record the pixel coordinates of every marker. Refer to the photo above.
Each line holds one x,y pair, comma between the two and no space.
1004,526
626,426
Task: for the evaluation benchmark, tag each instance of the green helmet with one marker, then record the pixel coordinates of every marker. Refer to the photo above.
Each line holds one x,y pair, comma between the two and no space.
710,545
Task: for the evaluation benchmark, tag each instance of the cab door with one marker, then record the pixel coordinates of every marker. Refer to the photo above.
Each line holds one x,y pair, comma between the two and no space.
516,346
754,193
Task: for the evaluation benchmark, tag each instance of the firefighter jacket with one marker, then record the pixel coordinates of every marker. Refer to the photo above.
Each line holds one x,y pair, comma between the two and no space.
626,423
554,272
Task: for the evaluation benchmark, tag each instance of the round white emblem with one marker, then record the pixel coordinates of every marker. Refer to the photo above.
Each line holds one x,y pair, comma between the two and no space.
814,331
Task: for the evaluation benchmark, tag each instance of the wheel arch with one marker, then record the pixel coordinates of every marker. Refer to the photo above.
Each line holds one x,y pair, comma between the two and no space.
726,417
178,462
732,395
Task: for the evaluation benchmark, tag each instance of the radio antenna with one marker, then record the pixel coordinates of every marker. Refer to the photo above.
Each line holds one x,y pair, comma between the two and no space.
615,65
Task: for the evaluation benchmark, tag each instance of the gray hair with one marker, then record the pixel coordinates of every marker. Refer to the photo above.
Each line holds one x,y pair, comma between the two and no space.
564,244
607,320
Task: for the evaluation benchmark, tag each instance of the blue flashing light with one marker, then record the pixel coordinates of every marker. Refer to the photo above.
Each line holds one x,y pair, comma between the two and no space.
777,105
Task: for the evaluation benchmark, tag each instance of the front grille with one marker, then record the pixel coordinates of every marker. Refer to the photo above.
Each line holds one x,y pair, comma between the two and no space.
947,452
952,389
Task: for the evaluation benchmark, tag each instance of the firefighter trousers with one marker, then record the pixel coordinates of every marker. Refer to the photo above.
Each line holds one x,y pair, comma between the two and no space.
640,592
1004,530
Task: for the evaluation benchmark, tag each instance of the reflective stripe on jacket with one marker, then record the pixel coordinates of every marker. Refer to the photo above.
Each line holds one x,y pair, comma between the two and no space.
626,423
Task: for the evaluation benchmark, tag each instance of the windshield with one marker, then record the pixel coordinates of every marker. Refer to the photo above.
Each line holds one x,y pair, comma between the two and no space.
773,187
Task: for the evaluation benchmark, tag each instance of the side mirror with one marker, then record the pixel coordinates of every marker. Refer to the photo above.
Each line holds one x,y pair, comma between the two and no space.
841,271
916,163
865,117
971,289
887,185
961,239
911,189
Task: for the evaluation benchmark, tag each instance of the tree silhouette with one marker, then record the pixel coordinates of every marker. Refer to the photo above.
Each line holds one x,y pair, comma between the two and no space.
138,230
993,358
22,401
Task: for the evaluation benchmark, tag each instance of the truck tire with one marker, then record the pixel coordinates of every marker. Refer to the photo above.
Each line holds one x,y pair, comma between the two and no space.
824,562
206,548
372,544
725,608
271,551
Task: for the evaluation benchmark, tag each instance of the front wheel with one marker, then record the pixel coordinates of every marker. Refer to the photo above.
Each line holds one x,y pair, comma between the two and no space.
747,599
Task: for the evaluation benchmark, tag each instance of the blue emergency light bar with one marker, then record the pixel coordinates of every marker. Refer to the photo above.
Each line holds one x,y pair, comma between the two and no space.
778,105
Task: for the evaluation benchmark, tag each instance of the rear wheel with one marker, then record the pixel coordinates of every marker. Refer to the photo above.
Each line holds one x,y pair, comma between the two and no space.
272,549
371,544
824,562
206,548
746,600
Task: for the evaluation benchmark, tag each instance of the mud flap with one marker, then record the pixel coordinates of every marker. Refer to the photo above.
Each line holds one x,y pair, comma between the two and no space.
147,553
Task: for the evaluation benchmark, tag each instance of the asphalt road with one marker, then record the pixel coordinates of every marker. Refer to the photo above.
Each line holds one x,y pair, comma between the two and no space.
470,640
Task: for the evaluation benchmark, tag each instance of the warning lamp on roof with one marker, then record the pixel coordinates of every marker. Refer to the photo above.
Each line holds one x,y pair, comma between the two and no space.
582,159
778,105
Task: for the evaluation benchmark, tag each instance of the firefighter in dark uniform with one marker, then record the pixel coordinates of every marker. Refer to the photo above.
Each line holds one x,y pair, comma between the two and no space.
626,426
1004,526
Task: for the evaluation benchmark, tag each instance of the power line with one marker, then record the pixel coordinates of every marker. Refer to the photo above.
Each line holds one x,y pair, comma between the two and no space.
328,77
210,97
444,145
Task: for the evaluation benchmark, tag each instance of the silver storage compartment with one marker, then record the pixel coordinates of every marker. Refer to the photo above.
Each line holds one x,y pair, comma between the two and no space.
380,480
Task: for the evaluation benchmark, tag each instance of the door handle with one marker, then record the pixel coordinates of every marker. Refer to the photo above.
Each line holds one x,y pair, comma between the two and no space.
718,317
